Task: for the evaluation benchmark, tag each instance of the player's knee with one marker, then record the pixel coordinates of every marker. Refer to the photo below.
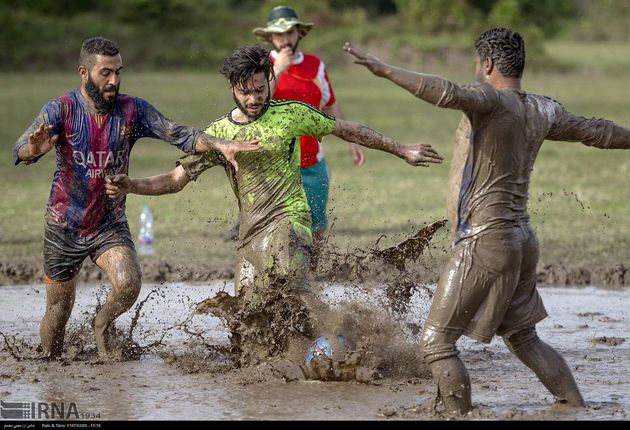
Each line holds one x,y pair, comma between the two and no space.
521,340
437,346
128,283
60,297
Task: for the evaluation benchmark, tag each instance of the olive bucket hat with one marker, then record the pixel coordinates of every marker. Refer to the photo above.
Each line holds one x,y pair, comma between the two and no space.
281,19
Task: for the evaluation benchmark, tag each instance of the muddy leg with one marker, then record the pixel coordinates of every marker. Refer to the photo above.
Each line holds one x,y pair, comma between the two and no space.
59,303
547,364
120,264
318,244
449,373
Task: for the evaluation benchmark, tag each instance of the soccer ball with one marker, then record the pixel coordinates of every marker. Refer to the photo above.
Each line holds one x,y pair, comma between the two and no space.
331,346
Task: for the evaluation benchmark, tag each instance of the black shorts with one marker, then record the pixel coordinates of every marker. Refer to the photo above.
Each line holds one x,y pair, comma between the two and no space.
64,252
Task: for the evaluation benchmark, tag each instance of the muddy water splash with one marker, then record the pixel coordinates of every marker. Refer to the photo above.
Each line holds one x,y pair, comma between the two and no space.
388,267
79,338
361,264
278,334
277,330
280,318
284,320
154,389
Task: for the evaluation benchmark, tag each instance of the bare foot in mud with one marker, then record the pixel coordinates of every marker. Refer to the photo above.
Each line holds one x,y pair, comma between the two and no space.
103,336
40,354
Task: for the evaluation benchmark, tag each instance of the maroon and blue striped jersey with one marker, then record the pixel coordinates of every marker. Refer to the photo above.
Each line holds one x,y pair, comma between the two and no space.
92,146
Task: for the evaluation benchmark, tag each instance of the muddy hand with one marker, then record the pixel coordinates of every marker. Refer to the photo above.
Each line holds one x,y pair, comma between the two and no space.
229,148
373,64
421,154
40,142
117,185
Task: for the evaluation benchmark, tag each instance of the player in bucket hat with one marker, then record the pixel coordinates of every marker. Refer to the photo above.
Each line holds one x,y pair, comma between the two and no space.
303,77
281,19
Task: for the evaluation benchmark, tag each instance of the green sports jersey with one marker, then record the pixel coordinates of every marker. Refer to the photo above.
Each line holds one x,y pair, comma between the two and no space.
268,185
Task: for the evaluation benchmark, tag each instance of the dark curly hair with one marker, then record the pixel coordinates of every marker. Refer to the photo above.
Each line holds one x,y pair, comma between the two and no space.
505,48
96,46
244,63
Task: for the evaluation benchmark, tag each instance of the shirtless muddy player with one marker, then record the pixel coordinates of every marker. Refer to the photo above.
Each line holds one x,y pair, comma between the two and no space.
489,285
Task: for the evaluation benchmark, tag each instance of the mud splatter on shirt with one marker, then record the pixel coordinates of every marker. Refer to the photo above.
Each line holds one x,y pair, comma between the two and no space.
268,185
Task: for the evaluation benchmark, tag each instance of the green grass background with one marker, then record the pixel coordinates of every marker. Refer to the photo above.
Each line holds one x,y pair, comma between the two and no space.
579,196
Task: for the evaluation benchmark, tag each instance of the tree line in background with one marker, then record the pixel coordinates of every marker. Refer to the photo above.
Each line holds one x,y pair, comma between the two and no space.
46,34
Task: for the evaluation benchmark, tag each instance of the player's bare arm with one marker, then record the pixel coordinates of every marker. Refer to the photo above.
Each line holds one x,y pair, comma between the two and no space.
416,155
357,152
167,183
414,82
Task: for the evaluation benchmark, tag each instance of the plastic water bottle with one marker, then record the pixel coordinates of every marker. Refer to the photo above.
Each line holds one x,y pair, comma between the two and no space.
145,236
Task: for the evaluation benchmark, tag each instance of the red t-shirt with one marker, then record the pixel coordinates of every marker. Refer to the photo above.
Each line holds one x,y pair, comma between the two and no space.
306,80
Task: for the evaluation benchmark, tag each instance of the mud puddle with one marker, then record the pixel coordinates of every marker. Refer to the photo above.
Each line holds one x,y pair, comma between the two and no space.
194,386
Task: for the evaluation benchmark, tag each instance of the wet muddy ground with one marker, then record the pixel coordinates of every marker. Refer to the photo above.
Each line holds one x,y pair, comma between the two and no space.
179,378
159,270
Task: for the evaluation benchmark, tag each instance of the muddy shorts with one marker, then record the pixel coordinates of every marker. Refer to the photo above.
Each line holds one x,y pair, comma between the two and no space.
316,181
64,252
282,253
489,286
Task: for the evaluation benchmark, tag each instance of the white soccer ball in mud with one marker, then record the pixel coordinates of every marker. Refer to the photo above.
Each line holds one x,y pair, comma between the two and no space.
331,346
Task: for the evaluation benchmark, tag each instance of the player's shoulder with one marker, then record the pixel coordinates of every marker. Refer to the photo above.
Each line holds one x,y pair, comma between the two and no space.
70,97
483,87
283,103
130,103
65,102
546,106
545,102
311,63
476,85
544,98
289,105
486,90
310,57
126,98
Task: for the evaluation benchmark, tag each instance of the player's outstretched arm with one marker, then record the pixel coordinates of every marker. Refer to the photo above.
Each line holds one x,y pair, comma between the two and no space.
117,186
417,154
596,132
407,79
358,157
430,88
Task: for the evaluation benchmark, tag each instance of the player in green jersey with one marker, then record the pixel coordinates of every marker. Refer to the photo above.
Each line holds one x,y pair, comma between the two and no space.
275,233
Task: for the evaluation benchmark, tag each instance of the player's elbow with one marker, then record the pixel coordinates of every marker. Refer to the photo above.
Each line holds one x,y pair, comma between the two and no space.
179,182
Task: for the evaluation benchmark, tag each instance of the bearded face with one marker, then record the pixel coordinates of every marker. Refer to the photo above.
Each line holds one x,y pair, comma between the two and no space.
253,96
104,97
287,40
102,77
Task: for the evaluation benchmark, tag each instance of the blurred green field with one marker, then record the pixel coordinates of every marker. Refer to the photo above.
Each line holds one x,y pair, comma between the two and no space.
580,200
